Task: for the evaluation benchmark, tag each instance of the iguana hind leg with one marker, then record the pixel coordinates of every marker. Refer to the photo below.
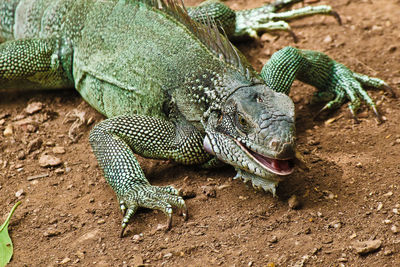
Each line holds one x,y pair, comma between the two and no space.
249,23
335,82
114,142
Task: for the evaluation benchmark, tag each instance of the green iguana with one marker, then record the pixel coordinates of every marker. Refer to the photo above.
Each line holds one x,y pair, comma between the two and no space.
172,85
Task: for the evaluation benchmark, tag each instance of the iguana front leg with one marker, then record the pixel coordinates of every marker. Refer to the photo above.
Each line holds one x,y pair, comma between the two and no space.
35,63
249,23
335,82
114,142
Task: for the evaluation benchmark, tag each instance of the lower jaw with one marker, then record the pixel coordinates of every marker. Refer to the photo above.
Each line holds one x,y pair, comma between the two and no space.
268,184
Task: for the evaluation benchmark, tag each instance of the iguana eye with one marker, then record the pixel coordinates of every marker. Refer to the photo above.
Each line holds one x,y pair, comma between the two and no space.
220,119
242,122
257,97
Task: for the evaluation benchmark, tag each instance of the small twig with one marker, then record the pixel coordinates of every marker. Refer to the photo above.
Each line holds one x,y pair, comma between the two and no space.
39,176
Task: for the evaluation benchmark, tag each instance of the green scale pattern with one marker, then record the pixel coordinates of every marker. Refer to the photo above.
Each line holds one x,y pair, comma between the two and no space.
61,43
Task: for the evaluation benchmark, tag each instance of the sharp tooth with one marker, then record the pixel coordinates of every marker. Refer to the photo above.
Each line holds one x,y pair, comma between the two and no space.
251,167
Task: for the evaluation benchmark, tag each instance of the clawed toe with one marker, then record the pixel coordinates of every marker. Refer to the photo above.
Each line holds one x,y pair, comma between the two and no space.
152,197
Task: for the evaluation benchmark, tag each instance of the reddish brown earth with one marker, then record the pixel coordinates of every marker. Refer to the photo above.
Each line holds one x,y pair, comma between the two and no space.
351,192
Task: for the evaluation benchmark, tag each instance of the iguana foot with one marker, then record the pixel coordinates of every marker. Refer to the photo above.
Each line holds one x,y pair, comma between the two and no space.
334,81
162,198
249,23
349,85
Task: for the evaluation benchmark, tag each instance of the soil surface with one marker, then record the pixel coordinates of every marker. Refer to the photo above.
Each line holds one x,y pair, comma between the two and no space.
349,197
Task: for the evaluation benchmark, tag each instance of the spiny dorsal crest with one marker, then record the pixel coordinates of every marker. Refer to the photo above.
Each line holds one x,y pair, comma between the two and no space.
208,33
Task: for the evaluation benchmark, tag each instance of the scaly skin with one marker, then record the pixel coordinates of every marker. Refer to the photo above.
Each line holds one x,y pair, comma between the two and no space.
172,88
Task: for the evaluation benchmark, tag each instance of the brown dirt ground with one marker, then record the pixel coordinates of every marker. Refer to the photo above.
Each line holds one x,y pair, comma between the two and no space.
351,192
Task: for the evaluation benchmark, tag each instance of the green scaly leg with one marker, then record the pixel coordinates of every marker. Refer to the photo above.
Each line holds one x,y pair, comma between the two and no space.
250,23
114,142
335,82
33,63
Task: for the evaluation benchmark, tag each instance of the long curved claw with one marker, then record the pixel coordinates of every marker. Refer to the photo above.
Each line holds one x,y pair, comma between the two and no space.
184,213
126,218
169,223
320,112
332,104
390,90
162,198
122,207
353,114
337,17
294,36
377,114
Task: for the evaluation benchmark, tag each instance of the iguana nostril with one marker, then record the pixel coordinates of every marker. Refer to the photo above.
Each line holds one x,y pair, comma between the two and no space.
274,144
286,152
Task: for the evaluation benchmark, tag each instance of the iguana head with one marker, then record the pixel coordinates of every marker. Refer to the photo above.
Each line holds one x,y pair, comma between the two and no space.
254,131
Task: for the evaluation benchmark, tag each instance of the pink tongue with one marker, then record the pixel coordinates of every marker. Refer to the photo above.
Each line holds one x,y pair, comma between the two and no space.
280,165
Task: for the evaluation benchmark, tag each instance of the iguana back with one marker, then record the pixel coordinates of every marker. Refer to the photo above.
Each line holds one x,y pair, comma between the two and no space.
124,57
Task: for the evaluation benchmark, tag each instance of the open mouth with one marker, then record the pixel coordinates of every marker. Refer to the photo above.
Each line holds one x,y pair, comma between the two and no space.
277,166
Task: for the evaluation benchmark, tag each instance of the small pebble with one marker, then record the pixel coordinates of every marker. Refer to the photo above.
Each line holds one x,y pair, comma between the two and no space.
209,191
33,107
294,202
394,229
160,227
187,192
380,206
58,150
49,161
388,194
59,171
51,232
365,247
30,128
80,255
327,240
8,131
101,221
313,142
34,145
168,255
20,117
328,39
273,239
136,237
354,235
21,155
19,193
65,260
388,252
